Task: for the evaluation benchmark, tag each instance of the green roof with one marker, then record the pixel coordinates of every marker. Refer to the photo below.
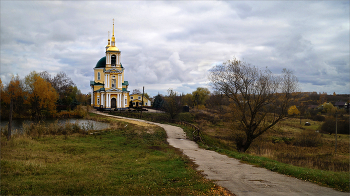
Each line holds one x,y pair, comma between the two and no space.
95,83
101,63
125,83
101,89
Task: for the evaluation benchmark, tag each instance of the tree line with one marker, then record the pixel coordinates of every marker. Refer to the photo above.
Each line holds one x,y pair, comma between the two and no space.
39,95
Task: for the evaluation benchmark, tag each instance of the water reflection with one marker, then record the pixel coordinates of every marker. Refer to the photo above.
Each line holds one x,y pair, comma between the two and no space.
94,125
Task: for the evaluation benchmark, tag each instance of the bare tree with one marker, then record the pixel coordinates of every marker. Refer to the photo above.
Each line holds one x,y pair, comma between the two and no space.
216,101
61,82
172,104
136,91
258,98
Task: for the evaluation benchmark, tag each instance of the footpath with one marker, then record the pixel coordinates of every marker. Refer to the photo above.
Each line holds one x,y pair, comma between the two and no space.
239,178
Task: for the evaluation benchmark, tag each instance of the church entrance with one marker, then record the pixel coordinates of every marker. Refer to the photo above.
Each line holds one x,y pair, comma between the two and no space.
113,103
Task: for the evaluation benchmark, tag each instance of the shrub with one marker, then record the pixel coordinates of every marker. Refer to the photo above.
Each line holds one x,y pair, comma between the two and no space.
318,118
286,140
329,125
308,138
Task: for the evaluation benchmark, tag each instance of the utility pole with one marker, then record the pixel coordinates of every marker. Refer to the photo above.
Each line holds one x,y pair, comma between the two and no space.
336,131
143,93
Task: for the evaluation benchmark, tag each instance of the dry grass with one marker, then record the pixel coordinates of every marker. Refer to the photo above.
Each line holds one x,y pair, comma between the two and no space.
289,142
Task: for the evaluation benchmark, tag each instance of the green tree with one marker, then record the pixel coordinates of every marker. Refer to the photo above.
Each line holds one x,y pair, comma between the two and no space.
200,95
254,93
158,102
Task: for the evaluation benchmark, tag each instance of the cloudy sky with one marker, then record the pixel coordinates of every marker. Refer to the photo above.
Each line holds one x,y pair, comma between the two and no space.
174,44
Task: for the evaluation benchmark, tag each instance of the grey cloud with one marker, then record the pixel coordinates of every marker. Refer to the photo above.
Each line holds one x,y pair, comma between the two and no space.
172,44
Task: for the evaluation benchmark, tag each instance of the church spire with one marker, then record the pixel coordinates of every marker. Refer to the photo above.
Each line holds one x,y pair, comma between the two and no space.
113,38
109,42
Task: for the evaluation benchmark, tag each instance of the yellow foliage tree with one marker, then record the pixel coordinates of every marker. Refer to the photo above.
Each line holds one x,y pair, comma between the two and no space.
13,96
293,110
328,108
1,86
42,95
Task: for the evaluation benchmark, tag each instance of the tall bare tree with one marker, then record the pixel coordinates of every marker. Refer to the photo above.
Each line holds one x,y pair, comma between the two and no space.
172,104
62,83
258,98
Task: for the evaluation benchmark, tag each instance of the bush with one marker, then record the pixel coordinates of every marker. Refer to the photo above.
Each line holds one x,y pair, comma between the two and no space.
329,125
318,118
308,138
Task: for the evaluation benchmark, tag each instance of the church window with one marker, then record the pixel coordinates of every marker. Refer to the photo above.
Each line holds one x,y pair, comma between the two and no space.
98,76
133,103
131,97
98,101
139,98
145,103
113,60
113,83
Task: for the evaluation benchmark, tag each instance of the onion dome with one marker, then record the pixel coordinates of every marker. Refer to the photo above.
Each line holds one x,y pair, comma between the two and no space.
101,63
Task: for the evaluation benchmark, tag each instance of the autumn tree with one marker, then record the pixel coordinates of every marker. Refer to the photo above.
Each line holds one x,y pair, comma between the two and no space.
42,96
254,94
200,95
327,107
188,100
14,96
217,101
293,110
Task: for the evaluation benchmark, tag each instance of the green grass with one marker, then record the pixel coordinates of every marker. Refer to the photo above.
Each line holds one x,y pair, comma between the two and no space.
124,161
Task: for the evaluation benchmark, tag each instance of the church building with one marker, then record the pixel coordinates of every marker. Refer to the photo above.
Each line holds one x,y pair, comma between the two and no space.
109,90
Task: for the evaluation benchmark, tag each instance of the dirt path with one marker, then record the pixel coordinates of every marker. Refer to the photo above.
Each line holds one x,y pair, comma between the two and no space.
239,178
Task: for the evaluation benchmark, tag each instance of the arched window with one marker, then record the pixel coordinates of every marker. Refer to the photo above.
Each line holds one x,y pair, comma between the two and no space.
113,60
98,76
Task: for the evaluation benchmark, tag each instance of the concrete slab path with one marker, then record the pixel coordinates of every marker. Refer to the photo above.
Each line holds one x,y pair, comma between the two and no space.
239,178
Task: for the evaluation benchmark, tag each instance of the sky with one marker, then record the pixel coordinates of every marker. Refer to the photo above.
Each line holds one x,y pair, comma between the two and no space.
174,44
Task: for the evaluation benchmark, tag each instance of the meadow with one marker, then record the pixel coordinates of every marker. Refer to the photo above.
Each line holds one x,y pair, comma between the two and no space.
289,148
126,159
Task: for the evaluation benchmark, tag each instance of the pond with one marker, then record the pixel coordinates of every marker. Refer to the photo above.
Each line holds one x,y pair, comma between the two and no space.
94,125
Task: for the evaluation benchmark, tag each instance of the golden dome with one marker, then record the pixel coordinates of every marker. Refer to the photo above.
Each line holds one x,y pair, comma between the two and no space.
113,48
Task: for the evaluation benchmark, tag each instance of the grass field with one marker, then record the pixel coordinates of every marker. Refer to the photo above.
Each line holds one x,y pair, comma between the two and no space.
126,160
289,148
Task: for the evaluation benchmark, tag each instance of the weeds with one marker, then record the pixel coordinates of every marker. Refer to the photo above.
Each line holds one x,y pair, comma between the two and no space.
308,138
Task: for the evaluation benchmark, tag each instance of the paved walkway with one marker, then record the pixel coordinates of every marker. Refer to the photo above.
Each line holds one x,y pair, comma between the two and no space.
239,178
